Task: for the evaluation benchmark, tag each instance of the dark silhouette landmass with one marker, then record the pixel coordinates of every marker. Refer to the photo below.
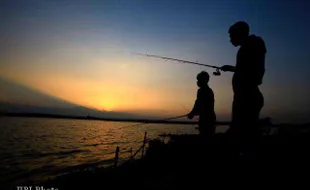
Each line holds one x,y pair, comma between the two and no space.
40,115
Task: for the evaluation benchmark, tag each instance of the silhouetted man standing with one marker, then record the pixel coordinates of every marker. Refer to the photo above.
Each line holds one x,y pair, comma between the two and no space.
248,75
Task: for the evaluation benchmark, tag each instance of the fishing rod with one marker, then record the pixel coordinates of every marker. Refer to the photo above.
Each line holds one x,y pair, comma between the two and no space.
216,73
165,119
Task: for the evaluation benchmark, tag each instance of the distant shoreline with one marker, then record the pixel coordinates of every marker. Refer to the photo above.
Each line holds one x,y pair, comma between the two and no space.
39,115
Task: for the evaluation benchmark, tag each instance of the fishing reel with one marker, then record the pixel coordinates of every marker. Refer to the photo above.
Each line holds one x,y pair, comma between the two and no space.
217,72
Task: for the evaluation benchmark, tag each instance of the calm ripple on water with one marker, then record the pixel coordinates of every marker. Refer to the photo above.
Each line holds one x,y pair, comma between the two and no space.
34,149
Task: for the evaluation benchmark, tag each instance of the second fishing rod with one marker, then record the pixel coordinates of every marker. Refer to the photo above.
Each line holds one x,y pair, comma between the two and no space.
152,121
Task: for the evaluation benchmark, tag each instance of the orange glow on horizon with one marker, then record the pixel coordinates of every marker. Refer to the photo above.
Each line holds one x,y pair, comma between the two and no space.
108,95
123,86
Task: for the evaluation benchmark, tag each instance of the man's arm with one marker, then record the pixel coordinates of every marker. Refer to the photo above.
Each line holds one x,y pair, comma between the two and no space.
195,110
259,68
228,68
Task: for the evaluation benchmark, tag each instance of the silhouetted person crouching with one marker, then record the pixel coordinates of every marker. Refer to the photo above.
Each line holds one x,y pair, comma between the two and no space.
204,107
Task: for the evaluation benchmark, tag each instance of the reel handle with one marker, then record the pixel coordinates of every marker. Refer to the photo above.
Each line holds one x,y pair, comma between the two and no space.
217,72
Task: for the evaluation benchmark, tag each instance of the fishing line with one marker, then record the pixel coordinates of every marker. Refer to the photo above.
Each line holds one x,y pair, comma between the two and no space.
216,73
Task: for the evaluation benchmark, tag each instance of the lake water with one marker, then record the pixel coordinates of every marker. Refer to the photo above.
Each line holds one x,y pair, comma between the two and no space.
35,149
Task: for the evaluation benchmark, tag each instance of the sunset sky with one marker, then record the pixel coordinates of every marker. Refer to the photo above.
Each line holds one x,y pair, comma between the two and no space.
80,51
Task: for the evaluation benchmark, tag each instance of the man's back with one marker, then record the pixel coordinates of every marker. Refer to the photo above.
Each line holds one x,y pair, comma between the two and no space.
250,66
205,97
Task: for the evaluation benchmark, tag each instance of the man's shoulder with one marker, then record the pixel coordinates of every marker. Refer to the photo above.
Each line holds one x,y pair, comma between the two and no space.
206,90
255,38
256,42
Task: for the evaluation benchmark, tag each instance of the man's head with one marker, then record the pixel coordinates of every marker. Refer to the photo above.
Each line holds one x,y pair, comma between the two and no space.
238,32
202,78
